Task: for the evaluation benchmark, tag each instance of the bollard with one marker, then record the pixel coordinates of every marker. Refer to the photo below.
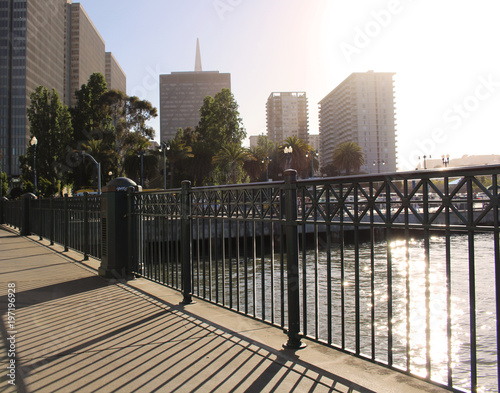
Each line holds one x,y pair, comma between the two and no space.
186,242
114,229
292,264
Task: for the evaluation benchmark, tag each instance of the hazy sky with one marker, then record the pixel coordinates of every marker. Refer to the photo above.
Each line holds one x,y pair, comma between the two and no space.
446,56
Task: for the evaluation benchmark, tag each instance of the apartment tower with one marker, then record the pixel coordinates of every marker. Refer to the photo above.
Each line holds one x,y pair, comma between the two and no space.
49,43
361,109
182,95
287,115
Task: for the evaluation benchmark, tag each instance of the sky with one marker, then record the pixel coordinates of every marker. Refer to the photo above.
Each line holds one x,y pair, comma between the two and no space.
445,55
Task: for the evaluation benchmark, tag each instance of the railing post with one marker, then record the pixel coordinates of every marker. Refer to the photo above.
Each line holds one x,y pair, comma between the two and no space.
2,209
25,229
132,237
292,264
185,242
86,237
66,223
51,229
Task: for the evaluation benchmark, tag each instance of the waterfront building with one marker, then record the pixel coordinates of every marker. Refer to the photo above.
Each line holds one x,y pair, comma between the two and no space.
287,115
50,43
182,95
361,109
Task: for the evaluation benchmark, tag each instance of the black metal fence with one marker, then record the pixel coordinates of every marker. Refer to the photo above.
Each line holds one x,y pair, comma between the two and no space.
73,222
399,269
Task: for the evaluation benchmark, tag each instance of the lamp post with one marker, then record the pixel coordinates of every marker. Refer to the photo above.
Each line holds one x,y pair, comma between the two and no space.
266,161
312,154
33,143
425,160
288,150
98,165
165,146
446,160
378,163
141,155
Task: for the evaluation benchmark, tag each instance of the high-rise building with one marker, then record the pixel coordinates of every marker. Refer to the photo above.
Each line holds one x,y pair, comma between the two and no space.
361,109
49,43
115,77
182,95
287,116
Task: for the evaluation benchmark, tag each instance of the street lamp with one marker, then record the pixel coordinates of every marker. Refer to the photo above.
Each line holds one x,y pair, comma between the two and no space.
313,154
165,146
141,155
266,161
98,169
33,143
378,163
446,160
288,155
425,160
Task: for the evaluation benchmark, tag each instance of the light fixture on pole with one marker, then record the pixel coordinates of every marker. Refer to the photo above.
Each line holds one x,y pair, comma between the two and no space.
288,150
446,160
266,161
165,146
425,160
378,163
141,156
312,154
33,143
98,165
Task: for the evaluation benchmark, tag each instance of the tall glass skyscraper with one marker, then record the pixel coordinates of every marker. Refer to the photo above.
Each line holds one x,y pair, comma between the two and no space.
42,43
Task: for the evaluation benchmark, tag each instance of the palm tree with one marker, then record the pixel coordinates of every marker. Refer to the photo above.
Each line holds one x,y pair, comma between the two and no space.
177,152
231,155
348,156
299,161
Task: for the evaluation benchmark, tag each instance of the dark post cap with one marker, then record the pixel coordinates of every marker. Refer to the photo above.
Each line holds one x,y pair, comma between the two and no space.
28,195
121,184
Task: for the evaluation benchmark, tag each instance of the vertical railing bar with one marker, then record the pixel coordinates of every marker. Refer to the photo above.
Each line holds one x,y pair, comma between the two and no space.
448,281
330,218
408,281
496,242
282,257
86,234
356,272
427,279
389,275
342,263
472,286
372,276
316,262
304,264
51,221
262,258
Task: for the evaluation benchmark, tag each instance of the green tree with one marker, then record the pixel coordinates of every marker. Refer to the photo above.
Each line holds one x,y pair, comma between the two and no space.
298,161
50,123
348,157
177,153
220,125
230,160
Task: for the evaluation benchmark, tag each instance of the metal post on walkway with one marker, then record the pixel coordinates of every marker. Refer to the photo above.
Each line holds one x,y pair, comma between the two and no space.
186,242
25,229
292,264
51,221
86,234
66,224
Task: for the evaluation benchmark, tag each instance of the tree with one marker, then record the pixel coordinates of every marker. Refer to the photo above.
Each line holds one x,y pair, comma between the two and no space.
231,158
50,123
220,125
299,161
348,157
178,152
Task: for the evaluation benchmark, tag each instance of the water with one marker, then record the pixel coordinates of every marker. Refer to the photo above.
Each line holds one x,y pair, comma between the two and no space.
419,342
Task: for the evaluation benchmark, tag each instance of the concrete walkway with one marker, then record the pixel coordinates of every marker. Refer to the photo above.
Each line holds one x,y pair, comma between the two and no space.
77,332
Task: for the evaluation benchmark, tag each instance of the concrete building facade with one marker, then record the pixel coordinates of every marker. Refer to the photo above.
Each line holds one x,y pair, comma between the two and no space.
287,115
49,43
361,109
115,76
182,95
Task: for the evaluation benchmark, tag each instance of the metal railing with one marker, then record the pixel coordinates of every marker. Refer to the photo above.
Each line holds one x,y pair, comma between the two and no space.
398,269
72,222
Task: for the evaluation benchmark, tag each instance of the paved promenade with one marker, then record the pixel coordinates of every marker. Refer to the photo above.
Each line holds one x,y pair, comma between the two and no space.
77,332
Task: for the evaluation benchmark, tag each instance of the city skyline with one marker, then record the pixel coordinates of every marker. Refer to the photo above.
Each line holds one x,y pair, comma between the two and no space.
447,72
